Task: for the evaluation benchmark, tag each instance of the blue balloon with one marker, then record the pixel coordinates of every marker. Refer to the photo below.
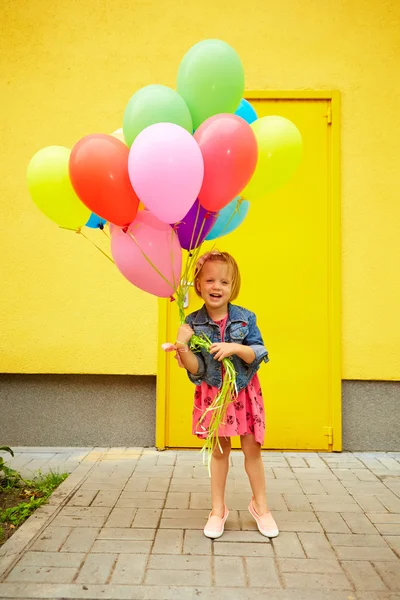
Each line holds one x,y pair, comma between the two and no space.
95,222
246,111
229,218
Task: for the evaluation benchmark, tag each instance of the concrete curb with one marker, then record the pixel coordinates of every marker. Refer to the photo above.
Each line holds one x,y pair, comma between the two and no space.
33,527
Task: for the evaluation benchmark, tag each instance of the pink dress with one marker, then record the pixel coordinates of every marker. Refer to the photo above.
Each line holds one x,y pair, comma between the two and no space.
244,416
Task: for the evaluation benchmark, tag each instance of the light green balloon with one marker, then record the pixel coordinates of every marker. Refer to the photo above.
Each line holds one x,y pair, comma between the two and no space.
154,104
280,149
51,189
211,80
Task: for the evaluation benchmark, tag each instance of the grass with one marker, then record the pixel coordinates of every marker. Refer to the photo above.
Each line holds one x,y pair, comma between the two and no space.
19,498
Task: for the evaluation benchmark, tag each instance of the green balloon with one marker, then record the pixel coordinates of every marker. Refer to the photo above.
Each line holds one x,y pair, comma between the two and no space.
51,189
211,80
154,104
280,150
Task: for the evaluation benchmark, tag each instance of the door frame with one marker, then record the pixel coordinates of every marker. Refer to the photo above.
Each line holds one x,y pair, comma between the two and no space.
334,271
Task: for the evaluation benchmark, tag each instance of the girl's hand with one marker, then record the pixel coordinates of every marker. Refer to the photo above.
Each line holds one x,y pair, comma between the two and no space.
184,334
223,350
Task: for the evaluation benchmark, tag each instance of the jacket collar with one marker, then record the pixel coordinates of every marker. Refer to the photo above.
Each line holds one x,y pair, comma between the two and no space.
234,314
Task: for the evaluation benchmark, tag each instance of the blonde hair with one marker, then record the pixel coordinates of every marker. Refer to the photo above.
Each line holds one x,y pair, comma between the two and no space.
225,257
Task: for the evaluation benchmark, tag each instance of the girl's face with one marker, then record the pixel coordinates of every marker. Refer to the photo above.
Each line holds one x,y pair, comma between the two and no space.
215,284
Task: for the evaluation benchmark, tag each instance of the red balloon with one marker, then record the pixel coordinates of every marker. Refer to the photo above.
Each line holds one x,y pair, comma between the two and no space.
229,149
98,168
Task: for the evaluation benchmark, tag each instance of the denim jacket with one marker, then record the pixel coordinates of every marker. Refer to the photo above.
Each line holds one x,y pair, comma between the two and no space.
241,328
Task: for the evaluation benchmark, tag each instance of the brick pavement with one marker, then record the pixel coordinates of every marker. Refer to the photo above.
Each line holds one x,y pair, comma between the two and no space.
127,524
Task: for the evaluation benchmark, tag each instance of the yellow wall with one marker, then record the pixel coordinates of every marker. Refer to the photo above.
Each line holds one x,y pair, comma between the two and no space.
68,69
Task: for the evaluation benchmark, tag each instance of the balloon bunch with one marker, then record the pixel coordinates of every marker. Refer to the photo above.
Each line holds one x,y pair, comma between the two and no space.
184,168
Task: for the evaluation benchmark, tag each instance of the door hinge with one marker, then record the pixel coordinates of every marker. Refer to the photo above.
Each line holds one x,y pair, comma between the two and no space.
329,114
329,432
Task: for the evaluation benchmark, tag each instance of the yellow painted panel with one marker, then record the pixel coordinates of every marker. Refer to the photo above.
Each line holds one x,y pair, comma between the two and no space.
284,255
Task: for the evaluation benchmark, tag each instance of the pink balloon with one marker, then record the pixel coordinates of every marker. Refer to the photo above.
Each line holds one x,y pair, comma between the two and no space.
166,170
159,243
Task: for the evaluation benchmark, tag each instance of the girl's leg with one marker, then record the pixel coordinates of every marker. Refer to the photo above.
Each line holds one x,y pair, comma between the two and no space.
219,472
255,471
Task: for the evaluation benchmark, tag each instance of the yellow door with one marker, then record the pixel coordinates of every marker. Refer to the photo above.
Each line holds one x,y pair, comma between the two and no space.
287,250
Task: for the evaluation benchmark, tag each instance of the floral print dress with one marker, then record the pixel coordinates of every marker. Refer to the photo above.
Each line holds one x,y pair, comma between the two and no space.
244,416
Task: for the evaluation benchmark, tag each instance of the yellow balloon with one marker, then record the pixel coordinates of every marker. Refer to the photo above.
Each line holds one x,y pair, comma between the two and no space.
51,189
280,150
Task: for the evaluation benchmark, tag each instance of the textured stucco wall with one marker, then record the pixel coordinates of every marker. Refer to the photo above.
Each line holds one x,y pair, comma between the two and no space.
77,410
69,68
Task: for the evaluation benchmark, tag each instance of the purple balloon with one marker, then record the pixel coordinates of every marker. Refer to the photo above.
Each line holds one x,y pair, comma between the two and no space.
188,234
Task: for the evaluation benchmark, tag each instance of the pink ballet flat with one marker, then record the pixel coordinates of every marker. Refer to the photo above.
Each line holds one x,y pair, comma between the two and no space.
265,523
215,525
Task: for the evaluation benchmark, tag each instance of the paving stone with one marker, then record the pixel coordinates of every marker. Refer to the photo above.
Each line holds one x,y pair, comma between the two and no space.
365,553
180,562
200,500
137,484
365,487
262,572
357,540
158,484
121,517
390,573
391,501
335,488
195,542
312,487
363,575
296,461
126,533
394,542
168,541
318,474
284,486
108,498
283,473
51,559
242,536
309,565
51,539
243,549
316,545
172,577
147,518
287,545
129,569
388,529
229,571
345,474
370,503
97,568
81,539
330,503
133,499
121,546
177,500
297,502
185,471
319,581
167,458
42,575
83,497
332,522
364,475
359,523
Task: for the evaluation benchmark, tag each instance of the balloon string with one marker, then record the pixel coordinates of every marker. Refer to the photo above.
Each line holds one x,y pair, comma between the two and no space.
149,261
93,244
195,225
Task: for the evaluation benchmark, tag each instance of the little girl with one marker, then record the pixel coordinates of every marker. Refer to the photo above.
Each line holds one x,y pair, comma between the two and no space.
234,333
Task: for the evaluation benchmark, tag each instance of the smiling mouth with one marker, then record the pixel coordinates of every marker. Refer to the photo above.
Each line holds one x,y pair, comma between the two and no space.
216,296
